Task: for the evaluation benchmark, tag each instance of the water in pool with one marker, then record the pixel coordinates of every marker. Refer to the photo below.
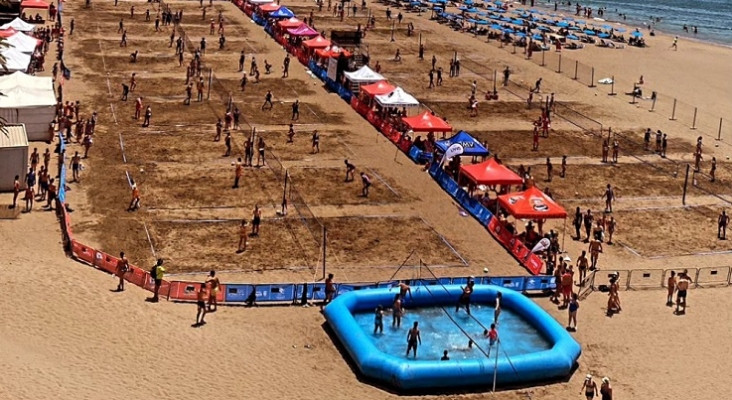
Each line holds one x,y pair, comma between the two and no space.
439,333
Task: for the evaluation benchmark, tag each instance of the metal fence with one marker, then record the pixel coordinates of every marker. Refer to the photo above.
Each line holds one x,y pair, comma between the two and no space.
638,279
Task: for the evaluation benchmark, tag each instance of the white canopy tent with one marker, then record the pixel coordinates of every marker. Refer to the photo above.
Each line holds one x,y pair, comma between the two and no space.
260,1
19,25
397,98
15,60
13,156
364,75
23,42
30,101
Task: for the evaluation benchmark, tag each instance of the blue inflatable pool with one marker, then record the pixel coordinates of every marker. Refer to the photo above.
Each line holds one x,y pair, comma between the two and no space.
555,359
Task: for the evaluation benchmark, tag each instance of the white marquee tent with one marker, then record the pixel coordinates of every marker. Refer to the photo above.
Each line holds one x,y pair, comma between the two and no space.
15,60
364,75
397,98
23,42
29,100
19,25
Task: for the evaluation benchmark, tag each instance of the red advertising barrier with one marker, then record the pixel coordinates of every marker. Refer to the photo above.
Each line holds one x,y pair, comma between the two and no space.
136,276
355,103
520,252
106,262
187,291
149,285
82,252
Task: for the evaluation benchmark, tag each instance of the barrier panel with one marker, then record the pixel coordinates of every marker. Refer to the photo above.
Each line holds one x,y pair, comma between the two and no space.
445,281
513,283
349,287
106,262
82,252
148,284
425,282
646,278
137,276
388,285
712,276
275,293
540,283
183,291
667,273
529,260
602,278
237,293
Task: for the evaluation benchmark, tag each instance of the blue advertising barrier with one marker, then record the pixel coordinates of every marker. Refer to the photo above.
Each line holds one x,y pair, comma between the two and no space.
387,285
237,293
509,282
269,29
464,281
62,173
345,93
419,156
349,287
258,20
275,293
540,283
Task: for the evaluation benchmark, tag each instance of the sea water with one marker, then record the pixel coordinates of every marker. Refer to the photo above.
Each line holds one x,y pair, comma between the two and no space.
711,17
440,333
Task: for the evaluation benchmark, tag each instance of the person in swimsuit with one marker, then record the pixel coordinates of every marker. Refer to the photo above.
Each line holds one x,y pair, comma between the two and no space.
256,220
613,301
464,299
606,391
396,312
379,320
582,264
683,286
330,290
201,297
261,147
497,311
413,338
242,236
403,290
671,286
492,336
16,190
123,266
573,307
366,184
595,250
445,357
214,285
589,387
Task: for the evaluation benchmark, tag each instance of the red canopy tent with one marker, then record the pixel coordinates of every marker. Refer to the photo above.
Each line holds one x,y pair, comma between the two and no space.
6,33
531,203
427,122
332,52
266,7
490,172
289,23
378,88
34,4
317,43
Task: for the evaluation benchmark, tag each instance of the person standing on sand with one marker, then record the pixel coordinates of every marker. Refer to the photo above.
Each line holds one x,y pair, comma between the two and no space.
316,142
582,265
595,248
16,191
722,222
123,266
606,391
330,290
589,387
683,286
256,220
214,285
605,150
563,172
366,184
616,151
671,286
572,308
201,303
549,169
713,169
413,338
588,219
609,197
157,273
675,44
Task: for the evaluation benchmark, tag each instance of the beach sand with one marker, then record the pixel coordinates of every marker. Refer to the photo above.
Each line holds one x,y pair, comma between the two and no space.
66,336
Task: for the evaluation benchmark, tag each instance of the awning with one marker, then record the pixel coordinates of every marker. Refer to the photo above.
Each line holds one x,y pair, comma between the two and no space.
270,7
283,12
23,42
316,43
378,88
34,4
289,23
426,122
6,33
365,74
303,30
532,204
490,173
15,60
471,146
397,98
332,52
19,25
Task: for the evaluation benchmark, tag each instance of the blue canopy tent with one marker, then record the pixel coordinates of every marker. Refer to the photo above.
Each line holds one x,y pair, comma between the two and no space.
563,24
283,12
636,34
471,146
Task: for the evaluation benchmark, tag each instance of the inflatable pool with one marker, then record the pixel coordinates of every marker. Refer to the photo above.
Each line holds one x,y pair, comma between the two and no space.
533,346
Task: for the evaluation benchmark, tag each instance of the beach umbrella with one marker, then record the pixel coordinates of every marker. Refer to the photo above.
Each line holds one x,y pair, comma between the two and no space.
496,26
603,35
481,22
498,3
608,27
589,32
517,22
508,30
544,29
563,24
620,29
482,13
572,37
520,34
574,28
468,2
506,19
537,37
636,34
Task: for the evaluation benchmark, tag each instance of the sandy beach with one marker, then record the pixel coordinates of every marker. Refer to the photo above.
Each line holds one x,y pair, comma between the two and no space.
66,335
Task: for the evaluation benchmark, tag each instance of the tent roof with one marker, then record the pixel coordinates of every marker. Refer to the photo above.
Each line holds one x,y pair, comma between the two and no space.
282,12
491,173
269,7
471,146
303,30
531,203
23,42
14,136
15,59
397,98
364,74
20,97
290,23
316,43
34,4
27,81
332,51
378,88
19,25
6,33
426,122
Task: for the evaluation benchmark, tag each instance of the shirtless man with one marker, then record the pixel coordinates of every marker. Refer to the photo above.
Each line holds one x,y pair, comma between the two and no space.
595,250
214,285
403,290
396,312
413,338
589,387
611,225
563,172
366,184
242,236
671,286
616,150
587,219
316,142
123,266
201,303
464,299
605,150
549,169
350,168
256,220
683,286
609,196
582,265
